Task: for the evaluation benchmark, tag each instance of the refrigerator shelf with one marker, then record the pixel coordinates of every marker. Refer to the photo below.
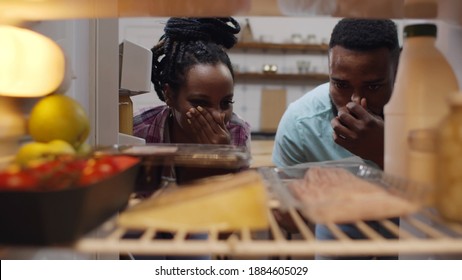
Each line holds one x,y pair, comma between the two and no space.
421,234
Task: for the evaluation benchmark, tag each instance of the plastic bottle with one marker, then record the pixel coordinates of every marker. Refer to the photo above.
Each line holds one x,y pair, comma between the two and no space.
448,191
422,155
424,81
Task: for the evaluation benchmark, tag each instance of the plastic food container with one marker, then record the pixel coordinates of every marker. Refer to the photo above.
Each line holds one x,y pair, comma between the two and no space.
62,216
412,194
156,159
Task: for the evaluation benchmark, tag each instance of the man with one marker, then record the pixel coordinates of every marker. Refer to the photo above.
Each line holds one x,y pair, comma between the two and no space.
344,118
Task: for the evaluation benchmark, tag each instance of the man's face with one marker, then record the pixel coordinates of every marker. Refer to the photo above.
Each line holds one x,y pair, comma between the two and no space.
355,75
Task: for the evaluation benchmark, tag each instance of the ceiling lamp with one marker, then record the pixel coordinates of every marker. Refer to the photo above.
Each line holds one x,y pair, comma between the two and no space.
31,65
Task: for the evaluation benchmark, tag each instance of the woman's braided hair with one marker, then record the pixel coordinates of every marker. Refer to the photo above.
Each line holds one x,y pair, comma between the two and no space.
187,42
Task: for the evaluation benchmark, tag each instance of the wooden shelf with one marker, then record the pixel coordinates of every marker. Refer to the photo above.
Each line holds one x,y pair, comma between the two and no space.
289,47
281,77
316,48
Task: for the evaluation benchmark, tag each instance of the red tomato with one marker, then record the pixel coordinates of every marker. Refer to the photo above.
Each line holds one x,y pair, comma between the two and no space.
98,169
125,162
58,174
17,180
64,172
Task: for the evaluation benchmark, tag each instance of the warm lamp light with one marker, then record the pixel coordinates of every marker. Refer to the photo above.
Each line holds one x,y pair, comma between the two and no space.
32,65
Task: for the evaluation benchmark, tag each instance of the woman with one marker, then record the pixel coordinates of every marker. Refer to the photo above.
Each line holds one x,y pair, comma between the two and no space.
193,75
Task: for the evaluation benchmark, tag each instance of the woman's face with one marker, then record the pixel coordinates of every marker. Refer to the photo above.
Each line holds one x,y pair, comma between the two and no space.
357,74
210,87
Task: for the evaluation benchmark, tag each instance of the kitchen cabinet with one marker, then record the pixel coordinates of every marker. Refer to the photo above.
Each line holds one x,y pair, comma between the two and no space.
262,92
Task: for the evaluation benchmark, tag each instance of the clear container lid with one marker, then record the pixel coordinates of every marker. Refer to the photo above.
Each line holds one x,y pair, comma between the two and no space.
193,155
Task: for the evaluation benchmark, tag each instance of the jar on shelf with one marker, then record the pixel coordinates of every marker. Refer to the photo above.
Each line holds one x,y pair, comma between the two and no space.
448,192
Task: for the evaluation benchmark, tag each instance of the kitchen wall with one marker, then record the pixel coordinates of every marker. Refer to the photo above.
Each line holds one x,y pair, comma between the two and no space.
449,42
94,84
146,31
248,95
269,29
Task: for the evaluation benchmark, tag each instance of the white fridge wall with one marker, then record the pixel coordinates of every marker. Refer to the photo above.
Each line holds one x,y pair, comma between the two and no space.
91,49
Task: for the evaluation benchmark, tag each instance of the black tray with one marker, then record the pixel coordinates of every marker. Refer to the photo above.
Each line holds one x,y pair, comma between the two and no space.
62,216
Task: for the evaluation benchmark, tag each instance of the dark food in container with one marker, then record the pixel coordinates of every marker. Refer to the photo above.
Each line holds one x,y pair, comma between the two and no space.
44,217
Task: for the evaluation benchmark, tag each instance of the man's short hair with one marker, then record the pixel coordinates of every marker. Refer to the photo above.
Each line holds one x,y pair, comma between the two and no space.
365,35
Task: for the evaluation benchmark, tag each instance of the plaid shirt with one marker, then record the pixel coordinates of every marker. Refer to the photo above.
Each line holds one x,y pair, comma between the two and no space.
151,123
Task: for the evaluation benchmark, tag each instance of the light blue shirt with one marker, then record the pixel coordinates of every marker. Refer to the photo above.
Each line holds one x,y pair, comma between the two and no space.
305,134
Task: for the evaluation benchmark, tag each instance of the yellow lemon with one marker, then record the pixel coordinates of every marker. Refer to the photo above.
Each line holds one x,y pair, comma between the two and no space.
37,152
59,117
60,147
32,151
